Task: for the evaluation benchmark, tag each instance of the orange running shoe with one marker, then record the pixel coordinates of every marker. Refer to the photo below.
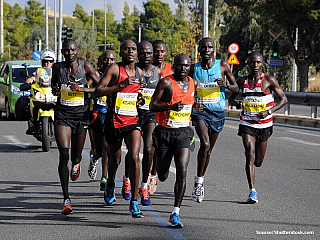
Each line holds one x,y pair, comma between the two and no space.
75,172
152,183
67,207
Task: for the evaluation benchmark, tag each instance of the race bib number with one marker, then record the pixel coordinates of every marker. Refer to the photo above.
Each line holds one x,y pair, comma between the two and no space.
181,118
147,95
252,108
208,93
102,101
71,98
126,104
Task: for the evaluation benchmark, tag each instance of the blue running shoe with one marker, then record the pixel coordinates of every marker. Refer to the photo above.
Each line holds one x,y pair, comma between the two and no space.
109,196
175,221
253,197
135,209
144,194
126,190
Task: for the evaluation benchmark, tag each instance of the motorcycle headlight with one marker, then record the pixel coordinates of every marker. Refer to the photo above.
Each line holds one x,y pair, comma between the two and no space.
40,97
51,98
15,89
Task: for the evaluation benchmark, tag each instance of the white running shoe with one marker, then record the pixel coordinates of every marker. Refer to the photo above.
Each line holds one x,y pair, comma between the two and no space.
198,192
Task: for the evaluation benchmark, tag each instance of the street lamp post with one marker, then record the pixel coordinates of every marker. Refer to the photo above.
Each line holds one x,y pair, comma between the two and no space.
105,26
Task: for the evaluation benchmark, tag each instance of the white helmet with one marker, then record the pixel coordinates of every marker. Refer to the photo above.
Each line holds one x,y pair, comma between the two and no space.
48,54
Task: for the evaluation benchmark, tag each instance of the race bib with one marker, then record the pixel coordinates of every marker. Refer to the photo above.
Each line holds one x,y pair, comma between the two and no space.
71,98
126,104
252,108
208,93
147,95
181,118
102,101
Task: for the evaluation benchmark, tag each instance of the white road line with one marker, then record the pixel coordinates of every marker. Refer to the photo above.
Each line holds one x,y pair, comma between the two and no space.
299,141
309,134
16,142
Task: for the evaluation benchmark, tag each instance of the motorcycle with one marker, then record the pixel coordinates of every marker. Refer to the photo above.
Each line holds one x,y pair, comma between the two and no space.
41,106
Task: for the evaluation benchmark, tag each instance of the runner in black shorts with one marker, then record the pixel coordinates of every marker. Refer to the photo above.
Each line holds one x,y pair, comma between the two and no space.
72,113
122,82
173,100
256,120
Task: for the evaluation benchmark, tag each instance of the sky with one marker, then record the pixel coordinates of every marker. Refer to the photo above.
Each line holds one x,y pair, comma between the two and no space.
88,5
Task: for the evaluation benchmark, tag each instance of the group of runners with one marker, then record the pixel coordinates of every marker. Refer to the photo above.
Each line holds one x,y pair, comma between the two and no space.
145,97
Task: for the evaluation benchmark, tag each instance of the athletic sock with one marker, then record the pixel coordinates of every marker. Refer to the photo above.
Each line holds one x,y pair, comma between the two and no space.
176,210
198,179
144,185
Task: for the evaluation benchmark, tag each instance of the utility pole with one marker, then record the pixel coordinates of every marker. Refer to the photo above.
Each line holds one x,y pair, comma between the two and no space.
1,29
47,26
55,26
205,13
105,26
294,66
59,56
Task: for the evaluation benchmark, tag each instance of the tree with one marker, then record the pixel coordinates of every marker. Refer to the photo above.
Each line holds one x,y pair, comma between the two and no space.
126,28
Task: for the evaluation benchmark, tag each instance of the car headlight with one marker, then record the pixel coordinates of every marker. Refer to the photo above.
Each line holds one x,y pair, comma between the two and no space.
15,89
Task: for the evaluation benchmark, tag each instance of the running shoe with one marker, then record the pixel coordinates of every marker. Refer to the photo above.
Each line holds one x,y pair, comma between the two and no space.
75,172
109,196
253,197
92,169
144,194
126,190
175,221
135,209
198,192
152,183
67,207
103,183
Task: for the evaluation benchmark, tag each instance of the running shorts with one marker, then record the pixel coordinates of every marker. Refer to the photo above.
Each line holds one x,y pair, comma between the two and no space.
212,122
146,117
166,140
77,126
261,134
114,135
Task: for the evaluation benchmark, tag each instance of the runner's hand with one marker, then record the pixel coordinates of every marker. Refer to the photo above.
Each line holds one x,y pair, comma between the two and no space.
177,106
198,107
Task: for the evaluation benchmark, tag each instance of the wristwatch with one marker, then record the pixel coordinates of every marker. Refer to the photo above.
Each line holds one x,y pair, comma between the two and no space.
269,111
228,85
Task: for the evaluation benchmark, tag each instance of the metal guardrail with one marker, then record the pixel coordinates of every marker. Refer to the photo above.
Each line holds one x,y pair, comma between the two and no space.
298,98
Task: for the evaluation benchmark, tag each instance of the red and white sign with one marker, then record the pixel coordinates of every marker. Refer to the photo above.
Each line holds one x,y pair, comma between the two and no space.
233,48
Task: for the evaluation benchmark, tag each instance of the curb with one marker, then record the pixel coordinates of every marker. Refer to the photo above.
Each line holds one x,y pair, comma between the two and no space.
284,119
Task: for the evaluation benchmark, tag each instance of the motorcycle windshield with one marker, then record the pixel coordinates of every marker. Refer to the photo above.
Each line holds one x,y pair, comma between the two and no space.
43,77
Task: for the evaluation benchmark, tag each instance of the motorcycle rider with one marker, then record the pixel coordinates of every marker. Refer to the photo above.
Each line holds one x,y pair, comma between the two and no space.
47,57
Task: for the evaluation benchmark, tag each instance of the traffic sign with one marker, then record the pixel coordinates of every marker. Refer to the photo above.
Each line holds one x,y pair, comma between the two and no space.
273,62
233,59
275,33
36,55
233,48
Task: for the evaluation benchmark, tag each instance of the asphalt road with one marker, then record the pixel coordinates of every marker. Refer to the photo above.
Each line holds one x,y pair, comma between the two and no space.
287,184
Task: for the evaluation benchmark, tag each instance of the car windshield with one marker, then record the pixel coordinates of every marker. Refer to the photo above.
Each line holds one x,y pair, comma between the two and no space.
16,73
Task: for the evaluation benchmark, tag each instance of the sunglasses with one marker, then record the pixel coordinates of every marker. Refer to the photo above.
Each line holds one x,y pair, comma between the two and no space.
45,61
